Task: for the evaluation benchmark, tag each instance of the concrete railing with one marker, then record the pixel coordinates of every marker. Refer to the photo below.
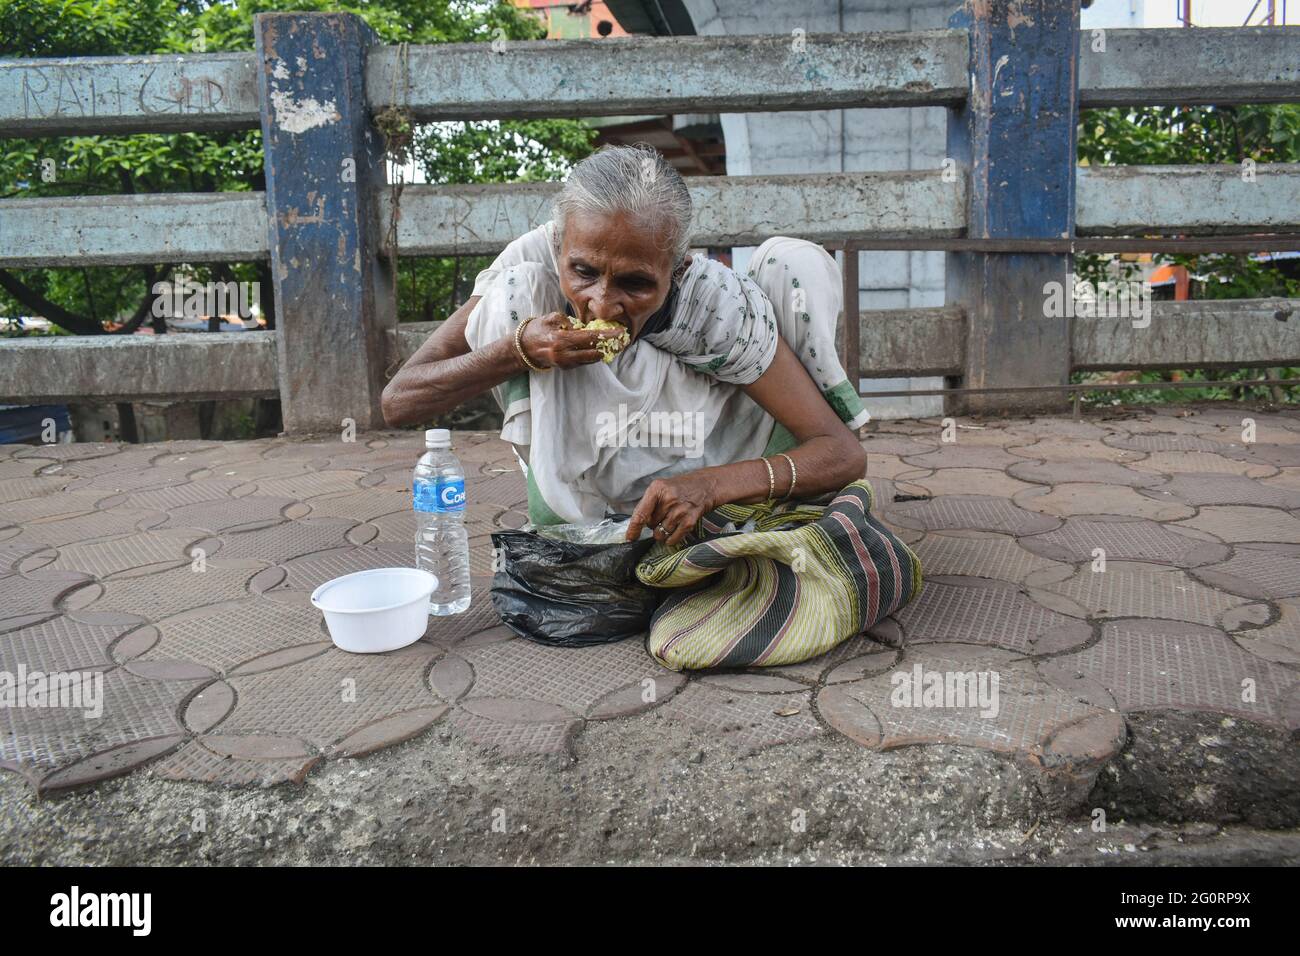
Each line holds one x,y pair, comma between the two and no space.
1006,205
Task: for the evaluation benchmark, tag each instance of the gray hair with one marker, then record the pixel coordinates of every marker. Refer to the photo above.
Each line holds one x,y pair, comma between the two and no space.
628,179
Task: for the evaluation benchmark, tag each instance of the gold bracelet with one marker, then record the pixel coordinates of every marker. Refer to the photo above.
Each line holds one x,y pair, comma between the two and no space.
794,475
519,346
771,480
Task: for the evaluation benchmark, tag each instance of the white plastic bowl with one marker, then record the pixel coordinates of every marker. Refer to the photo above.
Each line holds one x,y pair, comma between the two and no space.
369,612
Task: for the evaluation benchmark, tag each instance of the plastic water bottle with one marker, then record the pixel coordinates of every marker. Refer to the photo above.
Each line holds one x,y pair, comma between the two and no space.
441,542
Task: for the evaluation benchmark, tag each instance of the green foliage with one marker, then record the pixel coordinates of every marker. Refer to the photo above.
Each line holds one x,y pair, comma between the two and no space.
1190,136
226,162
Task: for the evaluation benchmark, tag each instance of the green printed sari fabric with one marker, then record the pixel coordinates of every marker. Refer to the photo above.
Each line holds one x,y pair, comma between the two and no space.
804,579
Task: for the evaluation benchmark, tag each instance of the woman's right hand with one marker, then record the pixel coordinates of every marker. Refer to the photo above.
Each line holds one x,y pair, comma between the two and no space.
551,341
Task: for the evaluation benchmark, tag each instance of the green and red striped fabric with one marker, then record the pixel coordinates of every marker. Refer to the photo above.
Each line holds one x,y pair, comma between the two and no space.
806,578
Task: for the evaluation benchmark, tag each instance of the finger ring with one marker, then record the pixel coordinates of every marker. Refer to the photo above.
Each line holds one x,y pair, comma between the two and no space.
662,529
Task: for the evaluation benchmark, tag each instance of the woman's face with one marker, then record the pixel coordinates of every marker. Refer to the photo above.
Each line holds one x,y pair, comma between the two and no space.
614,267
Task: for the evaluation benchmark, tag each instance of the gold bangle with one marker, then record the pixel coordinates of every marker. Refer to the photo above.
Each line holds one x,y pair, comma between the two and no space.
771,480
519,346
794,475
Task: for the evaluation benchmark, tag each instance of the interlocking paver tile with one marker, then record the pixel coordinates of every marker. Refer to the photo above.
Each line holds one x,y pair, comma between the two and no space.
505,490
202,460
196,762
172,497
395,528
20,467
257,469
1060,428
220,637
123,463
1080,498
154,550
234,514
1124,590
1285,478
1166,442
59,532
994,613
71,451
968,481
61,504
312,570
140,478
897,447
891,466
904,426
1170,424
1073,449
744,719
1283,456
446,632
1279,641
1235,523
957,455
1123,539
583,681
1172,665
309,484
28,598
45,739
17,489
326,698
291,539
1225,490
969,512
159,595
1027,716
61,644
296,449
481,452
978,554
751,682
11,554
378,459
1265,571
1061,472
515,737
1201,462
1232,421
365,505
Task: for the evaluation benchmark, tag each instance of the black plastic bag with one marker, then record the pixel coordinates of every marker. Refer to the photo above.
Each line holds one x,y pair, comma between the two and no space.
569,593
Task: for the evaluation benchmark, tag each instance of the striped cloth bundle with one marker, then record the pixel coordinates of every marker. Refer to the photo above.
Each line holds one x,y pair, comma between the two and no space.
805,579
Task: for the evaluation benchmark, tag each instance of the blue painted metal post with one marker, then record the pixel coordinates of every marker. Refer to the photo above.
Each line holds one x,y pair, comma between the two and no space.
1016,139
324,175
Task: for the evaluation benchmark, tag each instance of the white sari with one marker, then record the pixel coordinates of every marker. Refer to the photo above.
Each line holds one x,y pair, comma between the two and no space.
594,437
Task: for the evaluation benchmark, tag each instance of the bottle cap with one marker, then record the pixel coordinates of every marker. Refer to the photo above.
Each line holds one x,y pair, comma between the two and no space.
437,438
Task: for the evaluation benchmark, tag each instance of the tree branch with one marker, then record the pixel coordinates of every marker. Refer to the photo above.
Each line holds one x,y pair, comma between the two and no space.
39,305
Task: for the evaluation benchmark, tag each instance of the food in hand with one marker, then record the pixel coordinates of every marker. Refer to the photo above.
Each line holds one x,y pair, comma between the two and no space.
608,347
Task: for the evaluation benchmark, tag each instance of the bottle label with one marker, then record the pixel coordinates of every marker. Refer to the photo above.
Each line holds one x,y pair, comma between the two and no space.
440,495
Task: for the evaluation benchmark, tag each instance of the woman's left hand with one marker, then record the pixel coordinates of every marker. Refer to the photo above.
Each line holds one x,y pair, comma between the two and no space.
673,506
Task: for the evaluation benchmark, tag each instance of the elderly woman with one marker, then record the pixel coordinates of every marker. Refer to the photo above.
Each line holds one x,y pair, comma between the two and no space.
702,386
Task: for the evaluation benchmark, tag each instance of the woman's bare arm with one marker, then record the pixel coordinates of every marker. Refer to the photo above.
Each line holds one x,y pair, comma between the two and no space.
445,372
827,458
427,385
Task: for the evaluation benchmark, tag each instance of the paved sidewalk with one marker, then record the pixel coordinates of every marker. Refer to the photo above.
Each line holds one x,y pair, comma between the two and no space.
217,669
